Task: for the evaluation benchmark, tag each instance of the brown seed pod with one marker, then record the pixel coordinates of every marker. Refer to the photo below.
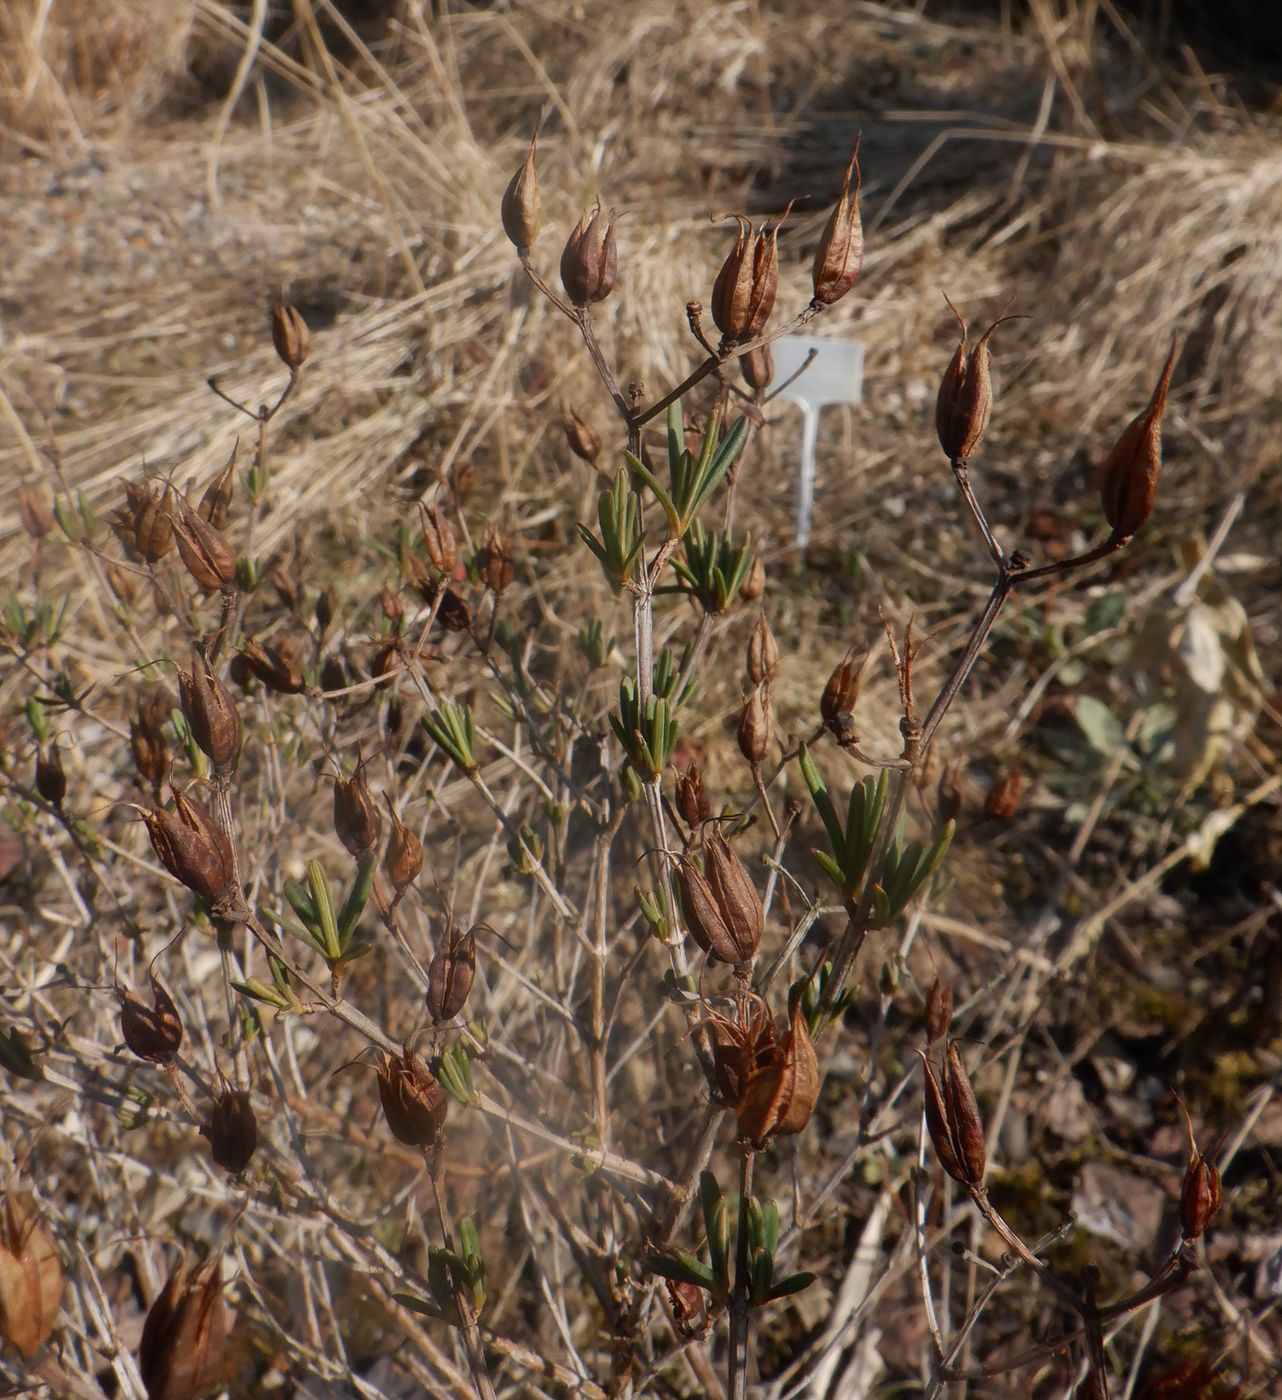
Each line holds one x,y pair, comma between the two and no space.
590,262
754,581
51,778
939,1011
781,1096
756,723
438,540
758,368
414,1104
584,440
210,711
183,1336
937,1125
965,1125
147,743
143,523
216,499
204,550
31,1278
1200,1191
1004,797
403,860
495,564
842,690
231,1129
1128,478
521,210
839,257
191,845
735,897
290,336
274,666
965,398
743,295
452,971
153,1033
451,611
355,816
763,652
34,512
692,800
741,1047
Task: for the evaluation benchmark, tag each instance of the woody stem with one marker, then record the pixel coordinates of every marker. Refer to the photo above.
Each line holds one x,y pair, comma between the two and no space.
740,1313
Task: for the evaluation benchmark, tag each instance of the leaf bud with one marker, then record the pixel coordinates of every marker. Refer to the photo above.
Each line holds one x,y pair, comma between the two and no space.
590,262
1128,479
290,336
181,1349
521,209
839,258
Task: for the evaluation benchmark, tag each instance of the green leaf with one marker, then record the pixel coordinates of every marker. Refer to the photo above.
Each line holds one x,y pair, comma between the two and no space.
681,1268
1100,726
791,1283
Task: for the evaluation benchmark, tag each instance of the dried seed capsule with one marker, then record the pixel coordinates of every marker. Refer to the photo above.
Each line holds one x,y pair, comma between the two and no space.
290,336
414,1104
1200,1191
149,750
839,258
842,691
1128,479
754,581
438,539
723,908
763,652
192,847
143,523
216,500
692,800
182,1338
758,368
355,816
590,262
205,553
275,667
450,976
743,295
51,780
1003,798
965,397
939,1011
584,440
404,856
34,512
704,919
495,563
781,1096
965,1125
755,725
937,1125
31,1278
740,1047
210,711
521,210
152,1033
231,1130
